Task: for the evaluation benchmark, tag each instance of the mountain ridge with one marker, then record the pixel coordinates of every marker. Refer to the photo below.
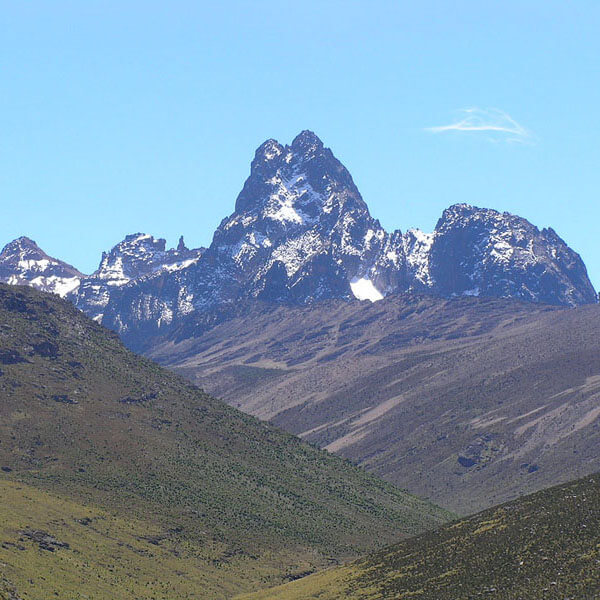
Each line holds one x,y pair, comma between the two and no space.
301,233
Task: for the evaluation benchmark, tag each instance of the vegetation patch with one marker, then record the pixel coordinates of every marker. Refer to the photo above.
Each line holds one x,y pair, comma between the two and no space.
543,546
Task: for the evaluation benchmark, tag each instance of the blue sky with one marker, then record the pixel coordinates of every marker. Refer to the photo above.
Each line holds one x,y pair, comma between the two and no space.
118,117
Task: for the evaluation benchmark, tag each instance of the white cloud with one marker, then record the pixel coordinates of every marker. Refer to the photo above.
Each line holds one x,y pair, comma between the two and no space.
498,125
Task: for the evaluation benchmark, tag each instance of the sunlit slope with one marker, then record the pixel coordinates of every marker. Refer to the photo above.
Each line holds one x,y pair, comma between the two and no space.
54,547
82,417
546,545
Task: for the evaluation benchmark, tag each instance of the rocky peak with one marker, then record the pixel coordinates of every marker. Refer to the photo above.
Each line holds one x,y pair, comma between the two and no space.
307,143
23,262
136,255
480,251
22,244
270,149
299,214
284,179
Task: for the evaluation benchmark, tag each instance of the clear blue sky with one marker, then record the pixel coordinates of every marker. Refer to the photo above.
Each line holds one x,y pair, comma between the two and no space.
118,117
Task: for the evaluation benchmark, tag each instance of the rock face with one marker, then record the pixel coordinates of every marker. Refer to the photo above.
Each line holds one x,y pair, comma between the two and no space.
138,256
301,233
23,262
478,251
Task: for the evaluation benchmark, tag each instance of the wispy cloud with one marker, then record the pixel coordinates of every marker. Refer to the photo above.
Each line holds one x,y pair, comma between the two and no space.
497,124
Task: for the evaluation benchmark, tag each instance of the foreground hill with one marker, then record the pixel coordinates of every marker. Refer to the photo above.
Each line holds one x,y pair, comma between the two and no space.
100,447
540,546
471,401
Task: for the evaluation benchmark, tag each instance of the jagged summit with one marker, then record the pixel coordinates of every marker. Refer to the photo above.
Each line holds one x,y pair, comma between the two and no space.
307,142
301,233
281,175
304,143
138,256
268,150
20,243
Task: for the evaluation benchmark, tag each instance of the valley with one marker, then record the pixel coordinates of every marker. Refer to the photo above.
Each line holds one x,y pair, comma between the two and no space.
540,546
469,402
89,430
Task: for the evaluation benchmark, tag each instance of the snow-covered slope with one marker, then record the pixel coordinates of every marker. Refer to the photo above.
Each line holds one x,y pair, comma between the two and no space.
301,233
23,262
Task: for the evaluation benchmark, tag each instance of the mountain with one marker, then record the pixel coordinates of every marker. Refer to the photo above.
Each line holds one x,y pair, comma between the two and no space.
301,233
469,401
23,262
540,546
119,479
482,252
137,257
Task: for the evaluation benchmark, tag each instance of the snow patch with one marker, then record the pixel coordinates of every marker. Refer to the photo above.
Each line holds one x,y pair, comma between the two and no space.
287,212
473,292
35,265
363,289
57,285
178,266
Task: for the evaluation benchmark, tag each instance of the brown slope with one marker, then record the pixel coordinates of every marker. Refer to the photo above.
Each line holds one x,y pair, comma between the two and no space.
470,402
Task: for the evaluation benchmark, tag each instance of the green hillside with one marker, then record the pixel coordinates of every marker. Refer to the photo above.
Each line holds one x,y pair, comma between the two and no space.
542,546
85,425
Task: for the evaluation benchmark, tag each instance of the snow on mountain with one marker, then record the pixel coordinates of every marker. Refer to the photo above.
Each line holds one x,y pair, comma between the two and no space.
301,233
417,247
137,256
23,262
363,289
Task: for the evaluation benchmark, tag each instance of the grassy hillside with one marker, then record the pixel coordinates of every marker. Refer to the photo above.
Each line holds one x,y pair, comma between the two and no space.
543,546
52,546
90,423
470,402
